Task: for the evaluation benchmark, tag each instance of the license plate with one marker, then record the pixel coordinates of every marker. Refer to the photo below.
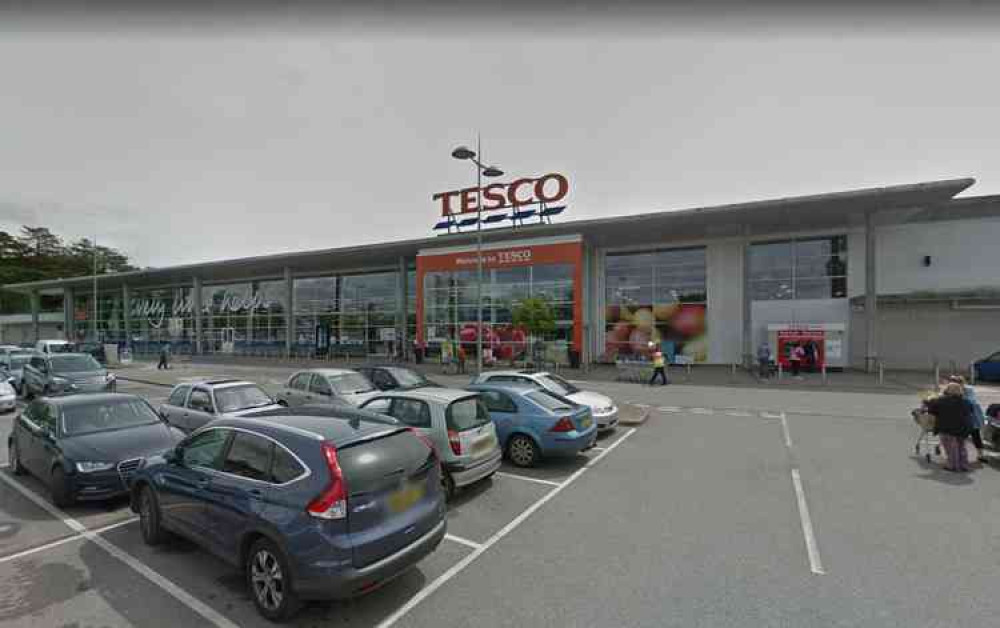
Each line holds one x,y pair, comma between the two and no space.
483,445
406,497
585,422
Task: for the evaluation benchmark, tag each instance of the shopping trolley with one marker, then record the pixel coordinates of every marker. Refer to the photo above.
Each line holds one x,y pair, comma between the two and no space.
927,439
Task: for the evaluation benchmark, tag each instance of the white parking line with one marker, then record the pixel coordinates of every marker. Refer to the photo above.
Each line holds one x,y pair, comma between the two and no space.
461,541
669,409
701,411
182,596
63,541
784,429
815,565
438,582
526,478
737,413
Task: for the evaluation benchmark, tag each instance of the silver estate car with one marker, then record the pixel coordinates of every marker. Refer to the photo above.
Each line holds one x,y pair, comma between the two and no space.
456,421
326,387
192,405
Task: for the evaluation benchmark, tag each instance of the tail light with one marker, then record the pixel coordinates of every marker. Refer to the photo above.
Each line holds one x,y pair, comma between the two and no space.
565,424
427,441
332,502
455,441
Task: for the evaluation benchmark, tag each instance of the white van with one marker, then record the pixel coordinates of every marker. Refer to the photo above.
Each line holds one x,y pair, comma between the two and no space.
54,346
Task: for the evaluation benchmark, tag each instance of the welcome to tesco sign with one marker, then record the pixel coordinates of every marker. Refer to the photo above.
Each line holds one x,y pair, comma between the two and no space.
550,188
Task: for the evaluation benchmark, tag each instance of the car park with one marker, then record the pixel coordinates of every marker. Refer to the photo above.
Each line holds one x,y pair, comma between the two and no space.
458,424
46,374
308,507
534,423
8,397
988,369
193,405
602,407
86,447
326,386
13,364
396,378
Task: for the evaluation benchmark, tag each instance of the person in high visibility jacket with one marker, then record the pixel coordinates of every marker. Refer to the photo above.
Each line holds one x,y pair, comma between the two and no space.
659,368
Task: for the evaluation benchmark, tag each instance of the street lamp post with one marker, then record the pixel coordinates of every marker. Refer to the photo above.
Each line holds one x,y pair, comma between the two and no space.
465,153
93,324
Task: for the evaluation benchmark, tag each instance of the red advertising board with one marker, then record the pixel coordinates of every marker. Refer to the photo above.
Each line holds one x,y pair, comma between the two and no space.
809,339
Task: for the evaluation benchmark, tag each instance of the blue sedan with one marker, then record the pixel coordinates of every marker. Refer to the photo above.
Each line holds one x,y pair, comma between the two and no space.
988,369
533,423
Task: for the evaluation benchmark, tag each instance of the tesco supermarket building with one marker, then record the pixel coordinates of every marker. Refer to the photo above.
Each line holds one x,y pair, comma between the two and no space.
907,274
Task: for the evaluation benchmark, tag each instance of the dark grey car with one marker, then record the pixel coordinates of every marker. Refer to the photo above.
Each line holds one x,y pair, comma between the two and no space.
64,373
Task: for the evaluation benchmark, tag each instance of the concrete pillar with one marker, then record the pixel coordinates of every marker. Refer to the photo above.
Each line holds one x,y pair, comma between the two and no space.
127,314
402,306
871,295
289,311
34,314
197,313
68,314
747,300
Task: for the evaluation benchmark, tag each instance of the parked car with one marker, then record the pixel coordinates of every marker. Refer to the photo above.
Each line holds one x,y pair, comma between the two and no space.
396,378
603,408
86,447
64,373
8,349
13,364
326,386
458,424
194,405
95,349
8,397
308,507
988,369
534,423
54,346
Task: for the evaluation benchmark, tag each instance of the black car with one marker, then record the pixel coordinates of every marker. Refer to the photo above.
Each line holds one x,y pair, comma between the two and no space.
86,447
396,378
307,507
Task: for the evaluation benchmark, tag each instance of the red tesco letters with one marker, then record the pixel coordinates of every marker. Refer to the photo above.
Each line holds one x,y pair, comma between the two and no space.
550,188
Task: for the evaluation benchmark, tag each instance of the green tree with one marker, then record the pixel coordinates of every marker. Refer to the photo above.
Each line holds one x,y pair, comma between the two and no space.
535,316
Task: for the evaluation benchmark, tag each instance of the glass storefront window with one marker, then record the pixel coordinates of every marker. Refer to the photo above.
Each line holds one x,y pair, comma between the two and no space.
812,268
347,313
658,297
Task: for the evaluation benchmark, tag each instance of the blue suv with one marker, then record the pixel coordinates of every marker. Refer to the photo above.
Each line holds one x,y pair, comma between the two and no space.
309,507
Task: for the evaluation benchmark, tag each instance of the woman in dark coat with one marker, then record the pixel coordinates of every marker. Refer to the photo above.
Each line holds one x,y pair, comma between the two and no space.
953,425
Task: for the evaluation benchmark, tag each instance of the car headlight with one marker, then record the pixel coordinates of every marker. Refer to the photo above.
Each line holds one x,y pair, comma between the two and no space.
90,466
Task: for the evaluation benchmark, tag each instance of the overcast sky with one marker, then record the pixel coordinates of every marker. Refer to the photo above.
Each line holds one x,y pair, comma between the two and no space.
181,144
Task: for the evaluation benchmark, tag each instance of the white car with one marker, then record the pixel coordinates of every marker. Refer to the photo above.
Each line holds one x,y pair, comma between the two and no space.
8,397
601,406
54,346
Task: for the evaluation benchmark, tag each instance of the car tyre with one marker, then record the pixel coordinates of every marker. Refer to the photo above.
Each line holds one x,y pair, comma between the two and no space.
282,403
59,489
269,581
15,459
447,485
523,451
150,521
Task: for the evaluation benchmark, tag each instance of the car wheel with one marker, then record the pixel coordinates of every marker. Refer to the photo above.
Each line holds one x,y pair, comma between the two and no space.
522,451
59,489
283,403
269,581
447,485
15,459
150,523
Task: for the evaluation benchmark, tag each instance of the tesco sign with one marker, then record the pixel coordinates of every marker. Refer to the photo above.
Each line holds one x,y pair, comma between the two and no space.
550,188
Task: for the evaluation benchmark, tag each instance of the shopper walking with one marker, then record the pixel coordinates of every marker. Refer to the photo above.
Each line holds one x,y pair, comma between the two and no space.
659,368
976,415
953,425
795,358
164,363
764,360
461,358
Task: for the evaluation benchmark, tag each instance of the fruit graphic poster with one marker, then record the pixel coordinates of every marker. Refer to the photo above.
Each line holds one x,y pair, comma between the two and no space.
630,329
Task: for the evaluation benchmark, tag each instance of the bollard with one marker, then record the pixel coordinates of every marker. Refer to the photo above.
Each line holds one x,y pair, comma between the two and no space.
972,373
937,375
732,370
881,372
687,367
780,370
823,369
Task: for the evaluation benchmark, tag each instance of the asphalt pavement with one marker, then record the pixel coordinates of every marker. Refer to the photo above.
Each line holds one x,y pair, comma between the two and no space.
727,507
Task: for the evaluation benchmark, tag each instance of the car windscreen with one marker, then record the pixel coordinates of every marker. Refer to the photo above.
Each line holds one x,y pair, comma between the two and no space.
558,384
408,378
351,383
467,414
73,363
104,416
234,398
549,401
18,361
